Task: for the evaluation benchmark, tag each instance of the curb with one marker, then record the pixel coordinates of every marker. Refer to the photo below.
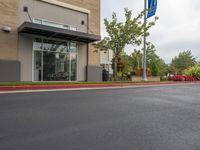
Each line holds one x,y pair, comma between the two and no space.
74,86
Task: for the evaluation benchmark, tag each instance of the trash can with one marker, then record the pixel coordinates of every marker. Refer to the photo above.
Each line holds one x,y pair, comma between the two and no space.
105,75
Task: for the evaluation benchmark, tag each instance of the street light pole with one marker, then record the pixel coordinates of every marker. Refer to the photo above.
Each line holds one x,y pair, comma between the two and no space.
144,48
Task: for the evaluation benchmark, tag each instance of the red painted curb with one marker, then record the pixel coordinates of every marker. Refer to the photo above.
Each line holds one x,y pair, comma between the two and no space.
67,86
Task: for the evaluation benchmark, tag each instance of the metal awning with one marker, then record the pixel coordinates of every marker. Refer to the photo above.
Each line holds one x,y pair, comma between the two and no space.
47,31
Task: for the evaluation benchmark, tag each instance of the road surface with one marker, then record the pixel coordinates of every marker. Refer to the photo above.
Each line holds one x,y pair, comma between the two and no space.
145,118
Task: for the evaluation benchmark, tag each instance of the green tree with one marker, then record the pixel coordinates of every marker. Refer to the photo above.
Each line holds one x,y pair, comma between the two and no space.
154,68
124,64
136,59
127,60
193,71
122,33
154,62
183,61
163,67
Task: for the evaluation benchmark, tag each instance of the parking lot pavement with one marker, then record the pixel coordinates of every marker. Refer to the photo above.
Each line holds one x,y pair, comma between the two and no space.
146,118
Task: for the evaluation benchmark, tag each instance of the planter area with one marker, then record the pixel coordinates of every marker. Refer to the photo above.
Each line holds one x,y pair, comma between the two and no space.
139,78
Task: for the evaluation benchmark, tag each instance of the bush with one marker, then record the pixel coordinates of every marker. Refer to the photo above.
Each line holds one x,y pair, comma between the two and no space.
182,78
163,78
154,69
193,71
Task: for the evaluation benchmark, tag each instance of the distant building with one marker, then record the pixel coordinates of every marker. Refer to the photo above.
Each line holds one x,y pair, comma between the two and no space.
106,60
49,40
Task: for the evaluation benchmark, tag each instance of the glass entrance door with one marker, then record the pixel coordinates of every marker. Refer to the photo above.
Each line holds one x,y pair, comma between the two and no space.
55,61
55,67
37,65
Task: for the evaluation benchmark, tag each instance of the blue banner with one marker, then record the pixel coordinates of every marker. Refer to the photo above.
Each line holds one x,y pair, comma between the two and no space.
152,6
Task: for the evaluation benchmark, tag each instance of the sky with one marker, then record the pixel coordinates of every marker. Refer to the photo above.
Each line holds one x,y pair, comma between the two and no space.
176,30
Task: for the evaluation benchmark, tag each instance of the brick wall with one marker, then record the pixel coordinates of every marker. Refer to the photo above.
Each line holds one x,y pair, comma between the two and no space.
9,17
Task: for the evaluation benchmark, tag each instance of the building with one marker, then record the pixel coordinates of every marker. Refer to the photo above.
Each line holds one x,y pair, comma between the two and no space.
106,58
49,40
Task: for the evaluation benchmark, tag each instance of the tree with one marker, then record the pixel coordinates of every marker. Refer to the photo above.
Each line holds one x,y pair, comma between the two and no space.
154,68
124,64
162,66
137,59
127,60
122,33
193,71
183,61
154,62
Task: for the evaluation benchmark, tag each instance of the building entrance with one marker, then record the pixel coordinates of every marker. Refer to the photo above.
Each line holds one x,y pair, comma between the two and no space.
54,60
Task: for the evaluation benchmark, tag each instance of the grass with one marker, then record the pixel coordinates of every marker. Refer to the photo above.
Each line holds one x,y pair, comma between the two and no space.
65,83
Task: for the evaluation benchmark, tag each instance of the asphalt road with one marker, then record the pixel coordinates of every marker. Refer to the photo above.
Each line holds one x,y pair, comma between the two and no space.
153,118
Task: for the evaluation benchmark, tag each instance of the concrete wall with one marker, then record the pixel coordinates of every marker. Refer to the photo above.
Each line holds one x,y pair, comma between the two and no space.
42,10
94,73
94,15
82,61
93,22
9,70
25,57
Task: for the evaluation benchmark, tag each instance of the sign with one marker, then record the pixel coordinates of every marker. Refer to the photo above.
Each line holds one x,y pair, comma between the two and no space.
152,6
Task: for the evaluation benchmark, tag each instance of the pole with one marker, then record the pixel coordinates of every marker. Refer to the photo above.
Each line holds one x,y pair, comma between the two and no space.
144,49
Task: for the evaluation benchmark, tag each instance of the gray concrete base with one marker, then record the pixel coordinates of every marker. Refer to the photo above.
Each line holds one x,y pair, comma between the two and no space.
9,71
94,73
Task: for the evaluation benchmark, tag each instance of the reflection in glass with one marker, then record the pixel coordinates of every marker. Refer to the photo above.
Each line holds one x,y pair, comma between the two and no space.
37,44
55,67
54,46
54,24
37,65
58,61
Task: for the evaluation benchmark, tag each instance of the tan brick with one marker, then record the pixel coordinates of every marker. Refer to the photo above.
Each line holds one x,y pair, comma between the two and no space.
9,14
9,17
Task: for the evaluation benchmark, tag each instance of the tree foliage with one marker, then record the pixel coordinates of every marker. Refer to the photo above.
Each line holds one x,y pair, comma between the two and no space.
193,71
183,61
121,34
154,62
137,59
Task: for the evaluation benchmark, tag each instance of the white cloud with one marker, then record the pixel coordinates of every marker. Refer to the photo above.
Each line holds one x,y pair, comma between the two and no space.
176,30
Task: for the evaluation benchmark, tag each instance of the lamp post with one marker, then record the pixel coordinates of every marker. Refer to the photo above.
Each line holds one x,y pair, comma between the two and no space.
144,48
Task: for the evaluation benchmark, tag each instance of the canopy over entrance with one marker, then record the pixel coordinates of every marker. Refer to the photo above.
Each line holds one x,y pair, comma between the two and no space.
47,31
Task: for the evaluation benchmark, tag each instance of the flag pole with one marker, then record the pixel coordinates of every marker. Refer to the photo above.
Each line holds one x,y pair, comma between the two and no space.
144,48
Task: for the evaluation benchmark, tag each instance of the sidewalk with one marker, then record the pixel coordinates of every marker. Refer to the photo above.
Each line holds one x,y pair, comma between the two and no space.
76,86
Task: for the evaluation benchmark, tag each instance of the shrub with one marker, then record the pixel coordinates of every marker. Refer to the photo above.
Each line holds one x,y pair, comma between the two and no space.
154,69
193,71
163,78
182,78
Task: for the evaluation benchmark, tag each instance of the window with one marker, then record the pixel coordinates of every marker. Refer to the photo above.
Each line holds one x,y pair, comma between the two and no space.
54,24
54,60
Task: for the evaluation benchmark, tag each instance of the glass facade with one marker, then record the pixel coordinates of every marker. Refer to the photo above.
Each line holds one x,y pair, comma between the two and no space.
54,24
54,60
